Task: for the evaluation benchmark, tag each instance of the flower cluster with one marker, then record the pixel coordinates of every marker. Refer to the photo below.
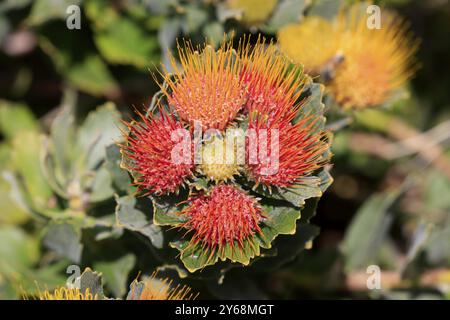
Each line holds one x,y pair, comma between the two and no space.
254,89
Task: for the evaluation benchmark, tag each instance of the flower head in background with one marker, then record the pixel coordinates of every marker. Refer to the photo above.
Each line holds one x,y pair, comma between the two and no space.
361,66
63,293
155,288
376,61
312,42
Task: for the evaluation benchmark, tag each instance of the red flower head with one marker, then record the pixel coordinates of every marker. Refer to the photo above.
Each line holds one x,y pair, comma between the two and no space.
223,216
299,152
207,87
149,151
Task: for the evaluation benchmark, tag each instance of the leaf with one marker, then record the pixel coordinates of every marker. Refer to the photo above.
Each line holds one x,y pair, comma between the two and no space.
280,220
116,273
121,178
62,134
18,252
100,129
195,17
165,212
120,38
14,118
101,187
325,8
367,230
64,239
93,281
214,32
26,147
133,219
77,60
44,10
287,11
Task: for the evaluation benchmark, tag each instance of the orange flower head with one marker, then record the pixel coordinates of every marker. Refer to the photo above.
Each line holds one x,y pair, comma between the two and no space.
163,289
273,83
223,216
206,88
148,151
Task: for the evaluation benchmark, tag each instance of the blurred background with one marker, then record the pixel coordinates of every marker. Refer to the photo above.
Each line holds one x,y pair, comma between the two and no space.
389,205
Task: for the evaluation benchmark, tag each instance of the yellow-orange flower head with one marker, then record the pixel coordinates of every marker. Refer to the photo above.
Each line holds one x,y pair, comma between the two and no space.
63,293
206,88
163,289
362,66
376,61
312,42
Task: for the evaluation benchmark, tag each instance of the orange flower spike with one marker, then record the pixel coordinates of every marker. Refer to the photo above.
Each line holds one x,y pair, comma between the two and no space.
148,149
206,88
273,82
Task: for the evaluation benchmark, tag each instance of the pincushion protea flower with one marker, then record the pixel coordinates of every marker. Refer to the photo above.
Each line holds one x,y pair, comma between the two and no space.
149,148
63,293
376,61
226,215
301,151
273,84
207,88
154,288
312,42
362,67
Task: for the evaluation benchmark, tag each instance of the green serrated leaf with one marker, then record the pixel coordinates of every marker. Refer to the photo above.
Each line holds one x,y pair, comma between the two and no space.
121,178
116,273
64,239
92,281
100,129
133,219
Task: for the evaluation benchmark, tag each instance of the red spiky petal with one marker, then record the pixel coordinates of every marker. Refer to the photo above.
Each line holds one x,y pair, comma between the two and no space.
224,215
149,151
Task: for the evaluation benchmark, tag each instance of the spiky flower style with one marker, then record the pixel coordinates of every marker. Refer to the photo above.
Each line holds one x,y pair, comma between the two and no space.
376,61
148,148
63,293
224,215
163,289
207,87
362,66
313,43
